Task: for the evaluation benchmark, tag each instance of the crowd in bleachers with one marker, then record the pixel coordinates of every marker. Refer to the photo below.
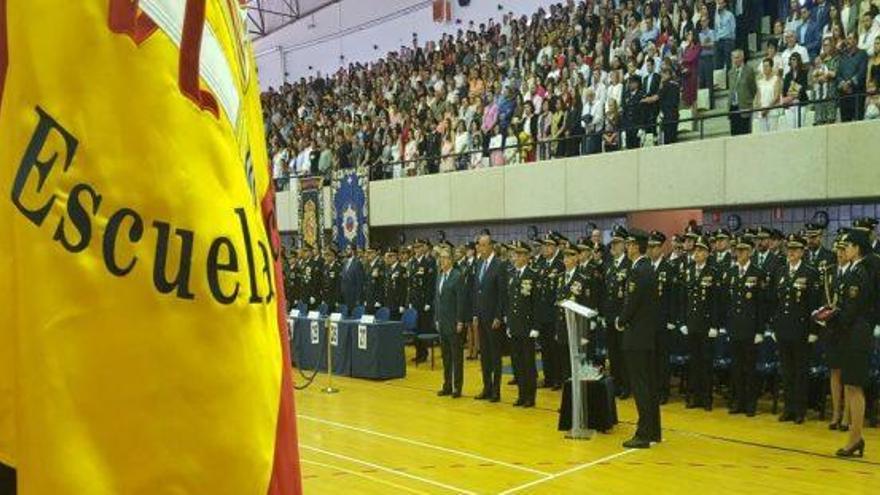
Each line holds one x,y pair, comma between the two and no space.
579,78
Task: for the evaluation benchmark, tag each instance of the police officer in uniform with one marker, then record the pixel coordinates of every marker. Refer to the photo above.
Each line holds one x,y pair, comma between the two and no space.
796,293
722,257
699,310
745,317
374,285
570,287
550,270
520,304
467,266
612,303
591,270
395,284
313,266
667,277
764,258
331,271
816,254
638,325
422,281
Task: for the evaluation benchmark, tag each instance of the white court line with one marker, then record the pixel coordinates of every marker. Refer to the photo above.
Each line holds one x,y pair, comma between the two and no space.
365,476
567,471
389,470
426,445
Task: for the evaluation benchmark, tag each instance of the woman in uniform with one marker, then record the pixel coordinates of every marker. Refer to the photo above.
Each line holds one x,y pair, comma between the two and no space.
833,351
855,298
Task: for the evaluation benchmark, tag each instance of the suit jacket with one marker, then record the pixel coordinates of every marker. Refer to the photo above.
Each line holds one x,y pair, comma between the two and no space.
489,290
745,303
449,302
522,299
615,287
641,308
330,284
745,87
810,36
856,299
395,283
352,283
422,280
374,285
467,270
795,297
822,259
549,272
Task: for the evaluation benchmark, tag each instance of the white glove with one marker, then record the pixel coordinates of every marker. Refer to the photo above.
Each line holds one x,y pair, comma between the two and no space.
713,333
722,331
877,332
401,309
533,334
593,325
759,338
670,326
377,305
617,325
311,300
822,324
602,320
508,334
773,336
683,329
812,338
768,333
584,341
427,307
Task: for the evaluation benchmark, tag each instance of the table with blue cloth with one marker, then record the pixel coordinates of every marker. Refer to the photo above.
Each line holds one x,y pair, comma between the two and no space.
361,350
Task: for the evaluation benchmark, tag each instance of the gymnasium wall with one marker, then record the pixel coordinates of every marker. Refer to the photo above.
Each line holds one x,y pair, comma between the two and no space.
313,44
813,166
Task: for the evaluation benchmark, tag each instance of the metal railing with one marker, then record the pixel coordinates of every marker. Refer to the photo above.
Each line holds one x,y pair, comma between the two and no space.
380,170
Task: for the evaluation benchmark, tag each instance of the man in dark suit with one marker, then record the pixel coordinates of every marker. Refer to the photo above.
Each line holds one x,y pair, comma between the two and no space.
550,269
743,86
522,299
745,315
638,324
816,254
667,284
796,294
489,288
764,258
651,85
329,277
352,279
450,317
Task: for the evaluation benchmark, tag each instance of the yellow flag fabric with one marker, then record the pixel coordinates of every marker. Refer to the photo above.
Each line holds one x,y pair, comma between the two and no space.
141,349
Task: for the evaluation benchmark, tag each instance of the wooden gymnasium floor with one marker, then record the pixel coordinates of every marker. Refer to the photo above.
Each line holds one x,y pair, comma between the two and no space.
398,437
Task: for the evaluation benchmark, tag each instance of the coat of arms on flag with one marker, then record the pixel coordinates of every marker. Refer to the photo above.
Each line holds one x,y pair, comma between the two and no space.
350,208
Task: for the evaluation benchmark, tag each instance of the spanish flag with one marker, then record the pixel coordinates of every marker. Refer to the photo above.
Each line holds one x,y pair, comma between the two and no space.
143,346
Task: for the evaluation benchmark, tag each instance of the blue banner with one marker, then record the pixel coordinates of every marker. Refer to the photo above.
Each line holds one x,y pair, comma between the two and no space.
350,208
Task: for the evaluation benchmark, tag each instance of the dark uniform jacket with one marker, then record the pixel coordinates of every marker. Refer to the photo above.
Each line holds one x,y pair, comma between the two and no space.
641,307
422,281
395,284
615,289
821,259
795,296
772,262
351,282
568,289
745,303
330,284
699,301
667,291
549,273
855,299
312,278
374,284
449,302
521,301
466,268
594,280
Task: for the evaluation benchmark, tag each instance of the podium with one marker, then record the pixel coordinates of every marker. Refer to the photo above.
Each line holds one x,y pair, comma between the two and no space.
577,322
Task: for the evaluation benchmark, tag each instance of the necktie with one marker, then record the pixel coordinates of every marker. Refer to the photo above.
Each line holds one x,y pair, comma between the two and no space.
742,272
483,269
442,281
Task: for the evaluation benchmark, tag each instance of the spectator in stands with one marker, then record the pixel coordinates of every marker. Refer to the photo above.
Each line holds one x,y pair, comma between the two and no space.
544,119
690,69
742,84
633,112
462,146
511,144
822,81
447,163
557,128
669,102
870,30
707,57
792,46
810,34
593,118
611,134
872,86
772,52
851,80
725,34
496,146
794,91
849,16
793,19
769,91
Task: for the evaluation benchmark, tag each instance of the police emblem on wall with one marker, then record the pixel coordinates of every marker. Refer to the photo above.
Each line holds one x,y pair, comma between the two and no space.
350,208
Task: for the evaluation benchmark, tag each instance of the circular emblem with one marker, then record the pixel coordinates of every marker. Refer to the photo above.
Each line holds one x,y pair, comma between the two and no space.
349,223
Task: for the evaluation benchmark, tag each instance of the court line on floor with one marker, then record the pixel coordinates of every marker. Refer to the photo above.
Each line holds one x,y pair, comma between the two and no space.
425,445
709,436
365,476
567,472
388,470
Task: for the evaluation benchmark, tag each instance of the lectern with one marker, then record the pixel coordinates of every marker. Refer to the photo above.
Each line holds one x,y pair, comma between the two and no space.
577,320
